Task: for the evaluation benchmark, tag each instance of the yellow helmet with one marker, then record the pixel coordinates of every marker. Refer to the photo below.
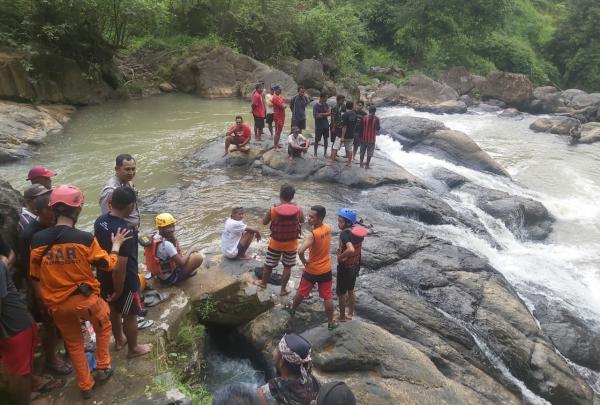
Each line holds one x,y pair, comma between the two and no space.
164,219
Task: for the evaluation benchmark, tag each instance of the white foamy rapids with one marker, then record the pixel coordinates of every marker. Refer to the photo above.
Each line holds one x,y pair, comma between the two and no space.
561,270
223,370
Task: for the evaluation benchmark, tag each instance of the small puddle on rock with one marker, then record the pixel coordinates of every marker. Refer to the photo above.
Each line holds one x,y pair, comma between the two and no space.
231,359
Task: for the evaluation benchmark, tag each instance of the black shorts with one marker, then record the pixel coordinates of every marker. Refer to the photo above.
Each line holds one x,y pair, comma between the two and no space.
335,133
129,303
321,133
294,152
259,122
346,279
269,119
299,123
236,141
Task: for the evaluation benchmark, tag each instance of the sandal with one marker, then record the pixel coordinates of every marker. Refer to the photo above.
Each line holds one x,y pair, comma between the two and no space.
145,323
332,325
154,298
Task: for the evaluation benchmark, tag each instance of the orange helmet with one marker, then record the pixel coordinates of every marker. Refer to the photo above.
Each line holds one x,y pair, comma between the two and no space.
66,194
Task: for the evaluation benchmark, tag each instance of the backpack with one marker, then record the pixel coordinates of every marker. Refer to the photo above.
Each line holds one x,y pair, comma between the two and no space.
286,224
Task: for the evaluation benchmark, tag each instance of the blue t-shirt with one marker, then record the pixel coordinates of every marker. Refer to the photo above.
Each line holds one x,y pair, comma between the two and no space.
104,226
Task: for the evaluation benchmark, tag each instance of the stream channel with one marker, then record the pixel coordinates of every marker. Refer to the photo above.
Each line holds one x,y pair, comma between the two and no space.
161,131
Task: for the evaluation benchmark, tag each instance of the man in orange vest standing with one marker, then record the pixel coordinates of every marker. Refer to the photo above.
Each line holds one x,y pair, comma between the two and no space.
285,219
61,271
317,268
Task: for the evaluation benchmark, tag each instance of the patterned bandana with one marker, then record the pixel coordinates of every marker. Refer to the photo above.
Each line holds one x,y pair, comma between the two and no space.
293,358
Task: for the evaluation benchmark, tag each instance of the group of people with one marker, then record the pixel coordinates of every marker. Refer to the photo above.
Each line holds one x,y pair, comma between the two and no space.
347,125
71,276
285,220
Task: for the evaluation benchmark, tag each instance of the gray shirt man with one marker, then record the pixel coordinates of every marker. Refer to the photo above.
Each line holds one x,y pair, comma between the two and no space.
134,218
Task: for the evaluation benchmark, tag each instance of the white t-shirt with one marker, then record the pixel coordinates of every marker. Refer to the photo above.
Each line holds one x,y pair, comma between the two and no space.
269,103
165,250
298,141
231,237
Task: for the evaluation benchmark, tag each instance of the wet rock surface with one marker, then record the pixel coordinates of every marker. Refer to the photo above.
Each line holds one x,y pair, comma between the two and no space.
556,125
432,137
24,126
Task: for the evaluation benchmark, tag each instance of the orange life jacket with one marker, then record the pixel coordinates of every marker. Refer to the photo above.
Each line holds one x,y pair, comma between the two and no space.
153,263
285,224
357,236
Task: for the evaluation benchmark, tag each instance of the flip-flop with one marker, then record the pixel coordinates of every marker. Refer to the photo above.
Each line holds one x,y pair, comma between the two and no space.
154,298
145,323
332,325
286,292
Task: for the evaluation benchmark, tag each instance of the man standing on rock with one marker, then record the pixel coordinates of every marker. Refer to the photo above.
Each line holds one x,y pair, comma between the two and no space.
125,167
298,106
358,128
285,219
347,137
369,134
278,114
269,109
320,112
258,111
317,268
239,135
336,117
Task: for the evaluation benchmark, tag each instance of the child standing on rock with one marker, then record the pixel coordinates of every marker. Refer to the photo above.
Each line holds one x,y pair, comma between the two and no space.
348,256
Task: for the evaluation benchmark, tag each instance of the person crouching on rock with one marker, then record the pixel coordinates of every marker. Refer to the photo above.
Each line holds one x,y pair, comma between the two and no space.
317,269
239,135
348,256
294,383
237,236
61,272
164,258
297,144
285,219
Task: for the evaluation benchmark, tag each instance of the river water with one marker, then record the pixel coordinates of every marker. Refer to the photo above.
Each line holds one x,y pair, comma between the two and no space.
161,131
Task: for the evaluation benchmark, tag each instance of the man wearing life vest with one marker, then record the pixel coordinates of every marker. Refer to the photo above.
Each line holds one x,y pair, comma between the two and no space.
285,219
348,256
164,258
317,268
61,268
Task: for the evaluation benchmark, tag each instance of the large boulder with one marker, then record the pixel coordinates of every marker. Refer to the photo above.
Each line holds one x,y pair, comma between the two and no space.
310,74
426,89
584,100
384,95
56,80
288,64
432,137
459,79
547,100
446,107
513,88
559,125
11,202
590,133
222,72
381,368
23,126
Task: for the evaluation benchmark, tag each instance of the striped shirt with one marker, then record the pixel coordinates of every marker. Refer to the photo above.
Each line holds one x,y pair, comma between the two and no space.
370,128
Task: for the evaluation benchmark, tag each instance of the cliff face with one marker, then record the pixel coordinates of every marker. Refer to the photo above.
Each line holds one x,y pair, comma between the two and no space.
49,79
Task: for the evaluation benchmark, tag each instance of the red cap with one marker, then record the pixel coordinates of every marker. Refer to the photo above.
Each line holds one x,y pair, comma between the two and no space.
39,171
66,194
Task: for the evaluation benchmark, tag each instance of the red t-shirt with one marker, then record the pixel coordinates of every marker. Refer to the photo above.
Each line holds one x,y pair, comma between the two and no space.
258,105
242,134
370,128
278,107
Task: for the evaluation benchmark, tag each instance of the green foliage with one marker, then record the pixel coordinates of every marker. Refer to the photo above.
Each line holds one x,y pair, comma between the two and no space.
575,46
189,334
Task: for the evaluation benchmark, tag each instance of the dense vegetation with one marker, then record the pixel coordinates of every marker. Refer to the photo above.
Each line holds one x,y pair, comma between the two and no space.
552,41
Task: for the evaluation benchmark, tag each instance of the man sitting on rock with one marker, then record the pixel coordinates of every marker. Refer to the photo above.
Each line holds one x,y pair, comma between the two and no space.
239,135
295,384
237,236
41,175
297,144
164,257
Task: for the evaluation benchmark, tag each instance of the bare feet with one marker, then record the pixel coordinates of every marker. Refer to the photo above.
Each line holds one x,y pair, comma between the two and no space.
139,350
349,317
259,283
244,257
285,292
120,343
339,317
